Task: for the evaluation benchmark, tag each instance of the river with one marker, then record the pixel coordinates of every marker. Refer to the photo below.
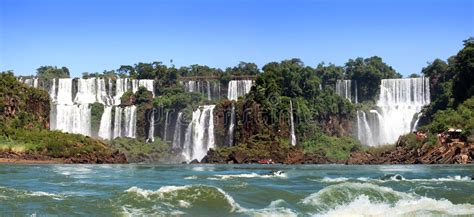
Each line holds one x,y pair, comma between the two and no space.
236,190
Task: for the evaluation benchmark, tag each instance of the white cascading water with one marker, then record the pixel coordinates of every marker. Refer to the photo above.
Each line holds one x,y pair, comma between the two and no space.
177,132
199,134
151,129
105,129
232,125
292,124
166,127
344,89
236,89
117,122
397,113
210,89
67,115
130,121
70,111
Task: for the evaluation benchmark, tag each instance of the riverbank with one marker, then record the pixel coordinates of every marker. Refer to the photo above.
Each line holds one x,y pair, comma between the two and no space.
10,157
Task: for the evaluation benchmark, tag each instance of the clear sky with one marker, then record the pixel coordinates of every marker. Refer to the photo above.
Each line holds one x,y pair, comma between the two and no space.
94,35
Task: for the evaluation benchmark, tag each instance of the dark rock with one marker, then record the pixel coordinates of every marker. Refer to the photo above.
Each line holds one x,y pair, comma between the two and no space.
195,161
238,156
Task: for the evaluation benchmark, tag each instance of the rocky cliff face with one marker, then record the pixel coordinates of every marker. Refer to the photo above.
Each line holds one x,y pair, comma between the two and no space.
442,153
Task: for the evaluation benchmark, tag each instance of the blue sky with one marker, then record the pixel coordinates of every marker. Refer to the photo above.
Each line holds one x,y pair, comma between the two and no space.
94,35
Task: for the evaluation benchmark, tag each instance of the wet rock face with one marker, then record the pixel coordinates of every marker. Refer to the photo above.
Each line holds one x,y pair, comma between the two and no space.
94,158
446,153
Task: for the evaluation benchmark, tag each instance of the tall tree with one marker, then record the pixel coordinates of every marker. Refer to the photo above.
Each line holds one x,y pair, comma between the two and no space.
463,86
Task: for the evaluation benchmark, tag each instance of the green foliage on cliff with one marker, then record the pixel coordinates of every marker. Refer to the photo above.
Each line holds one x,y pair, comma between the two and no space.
451,91
336,148
22,106
51,143
139,151
49,72
460,118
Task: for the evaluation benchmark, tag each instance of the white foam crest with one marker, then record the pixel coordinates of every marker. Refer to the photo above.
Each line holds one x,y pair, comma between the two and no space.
46,194
174,189
331,180
315,198
190,177
395,178
247,175
423,206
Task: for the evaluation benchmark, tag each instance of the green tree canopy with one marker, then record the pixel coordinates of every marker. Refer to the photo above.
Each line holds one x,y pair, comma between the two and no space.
49,72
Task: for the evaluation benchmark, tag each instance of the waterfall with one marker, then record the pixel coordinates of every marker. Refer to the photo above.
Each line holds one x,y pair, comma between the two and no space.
130,121
117,122
203,87
199,134
232,125
73,119
165,130
147,84
236,89
398,106
293,136
151,130
415,125
356,94
177,132
105,129
344,89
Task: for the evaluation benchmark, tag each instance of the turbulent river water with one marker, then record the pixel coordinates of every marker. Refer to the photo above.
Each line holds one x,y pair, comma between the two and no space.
236,190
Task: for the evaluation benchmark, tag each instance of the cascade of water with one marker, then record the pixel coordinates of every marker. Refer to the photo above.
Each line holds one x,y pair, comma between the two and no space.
398,106
415,125
64,93
177,132
102,95
356,94
238,88
199,134
121,86
151,130
148,84
293,136
73,119
105,129
130,121
53,92
232,125
343,88
70,104
208,90
117,122
165,131
203,87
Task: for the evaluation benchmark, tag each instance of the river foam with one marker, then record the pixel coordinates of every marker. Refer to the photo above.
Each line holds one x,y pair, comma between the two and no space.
365,199
395,178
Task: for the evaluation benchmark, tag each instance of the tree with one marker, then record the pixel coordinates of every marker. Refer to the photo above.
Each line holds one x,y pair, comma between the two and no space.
330,74
368,73
414,75
125,70
463,86
49,72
